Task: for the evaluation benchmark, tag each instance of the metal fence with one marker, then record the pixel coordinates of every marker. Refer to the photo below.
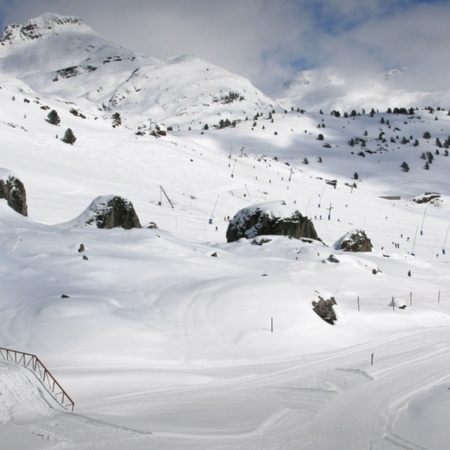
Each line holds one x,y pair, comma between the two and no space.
403,300
33,363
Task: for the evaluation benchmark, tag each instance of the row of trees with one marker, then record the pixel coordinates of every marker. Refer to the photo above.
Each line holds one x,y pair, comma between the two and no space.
402,110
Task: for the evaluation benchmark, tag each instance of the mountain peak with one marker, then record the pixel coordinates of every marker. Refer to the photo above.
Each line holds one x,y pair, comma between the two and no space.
46,25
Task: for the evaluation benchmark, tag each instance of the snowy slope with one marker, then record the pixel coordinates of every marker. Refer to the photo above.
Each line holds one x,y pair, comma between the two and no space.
163,336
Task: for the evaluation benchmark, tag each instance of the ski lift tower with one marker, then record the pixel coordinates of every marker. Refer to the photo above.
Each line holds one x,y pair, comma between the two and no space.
161,192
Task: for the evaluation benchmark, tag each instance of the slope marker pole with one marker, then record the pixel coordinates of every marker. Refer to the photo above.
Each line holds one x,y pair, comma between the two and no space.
445,240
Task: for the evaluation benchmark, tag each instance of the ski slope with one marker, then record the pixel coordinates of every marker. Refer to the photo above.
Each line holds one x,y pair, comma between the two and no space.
163,336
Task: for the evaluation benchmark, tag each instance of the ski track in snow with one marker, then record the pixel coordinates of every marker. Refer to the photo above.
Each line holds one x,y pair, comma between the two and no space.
339,383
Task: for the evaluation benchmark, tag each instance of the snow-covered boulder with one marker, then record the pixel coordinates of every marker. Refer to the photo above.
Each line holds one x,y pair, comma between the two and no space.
109,212
13,190
354,241
428,197
271,218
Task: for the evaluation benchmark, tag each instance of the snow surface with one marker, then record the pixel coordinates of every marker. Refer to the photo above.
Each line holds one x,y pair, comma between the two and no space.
163,345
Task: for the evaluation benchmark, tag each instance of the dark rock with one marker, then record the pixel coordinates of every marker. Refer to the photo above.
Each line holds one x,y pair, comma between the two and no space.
81,248
428,197
85,258
262,241
274,218
65,296
158,133
333,259
214,254
355,241
151,225
13,190
113,212
324,309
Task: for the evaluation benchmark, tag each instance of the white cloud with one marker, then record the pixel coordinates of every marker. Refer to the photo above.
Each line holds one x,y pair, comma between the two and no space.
416,39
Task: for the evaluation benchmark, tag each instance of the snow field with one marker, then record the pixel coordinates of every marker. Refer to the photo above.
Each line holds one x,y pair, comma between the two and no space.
162,344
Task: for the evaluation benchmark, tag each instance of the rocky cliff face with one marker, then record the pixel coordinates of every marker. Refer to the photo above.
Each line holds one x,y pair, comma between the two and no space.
45,25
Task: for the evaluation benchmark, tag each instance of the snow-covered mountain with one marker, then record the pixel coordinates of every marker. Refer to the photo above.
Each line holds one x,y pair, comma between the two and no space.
62,56
172,337
329,89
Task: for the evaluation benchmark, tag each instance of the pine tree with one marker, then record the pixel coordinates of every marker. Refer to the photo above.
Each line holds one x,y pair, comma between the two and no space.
69,137
53,117
117,120
404,166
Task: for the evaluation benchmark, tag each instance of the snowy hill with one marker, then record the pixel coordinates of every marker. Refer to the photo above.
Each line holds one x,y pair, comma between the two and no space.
173,338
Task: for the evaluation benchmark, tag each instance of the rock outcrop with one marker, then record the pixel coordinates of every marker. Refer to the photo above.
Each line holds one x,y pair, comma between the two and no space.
324,309
273,218
354,241
111,212
428,197
13,190
45,25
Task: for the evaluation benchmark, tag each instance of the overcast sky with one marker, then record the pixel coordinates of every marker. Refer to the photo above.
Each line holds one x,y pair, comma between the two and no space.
268,41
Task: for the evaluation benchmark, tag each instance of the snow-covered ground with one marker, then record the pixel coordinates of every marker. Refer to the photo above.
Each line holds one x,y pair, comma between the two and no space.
171,337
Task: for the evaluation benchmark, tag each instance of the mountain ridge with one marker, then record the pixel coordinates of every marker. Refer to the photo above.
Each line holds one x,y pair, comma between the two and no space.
45,25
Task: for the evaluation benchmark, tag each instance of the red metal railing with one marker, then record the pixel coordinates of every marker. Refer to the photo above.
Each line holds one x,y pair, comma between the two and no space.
33,363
